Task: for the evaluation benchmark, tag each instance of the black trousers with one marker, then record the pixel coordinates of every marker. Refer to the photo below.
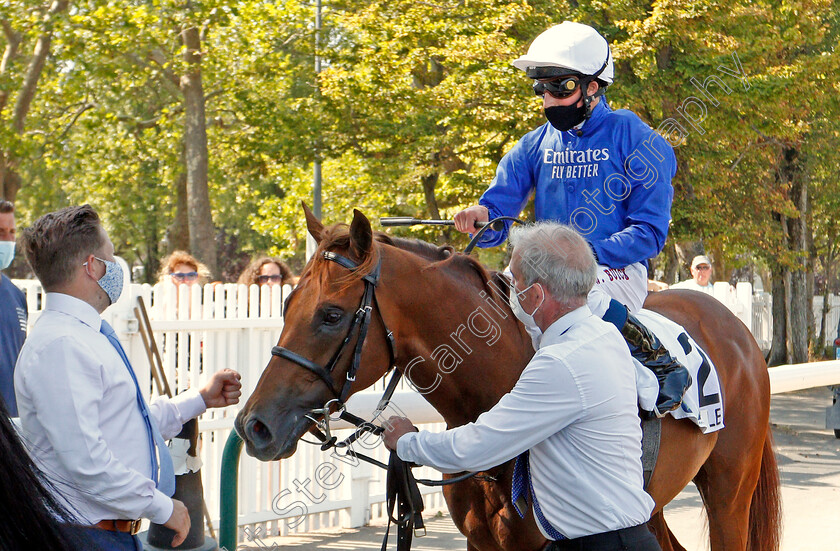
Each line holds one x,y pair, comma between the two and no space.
637,538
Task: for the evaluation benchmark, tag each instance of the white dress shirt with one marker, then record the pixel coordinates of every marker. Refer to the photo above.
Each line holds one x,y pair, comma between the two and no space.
80,418
574,407
709,288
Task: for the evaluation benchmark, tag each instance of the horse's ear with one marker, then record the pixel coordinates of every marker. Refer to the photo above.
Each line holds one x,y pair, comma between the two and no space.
312,224
361,235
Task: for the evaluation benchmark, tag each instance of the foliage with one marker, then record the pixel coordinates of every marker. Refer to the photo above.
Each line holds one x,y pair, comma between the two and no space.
414,107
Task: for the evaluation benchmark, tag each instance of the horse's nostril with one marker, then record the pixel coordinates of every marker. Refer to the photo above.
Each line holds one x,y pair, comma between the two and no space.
258,432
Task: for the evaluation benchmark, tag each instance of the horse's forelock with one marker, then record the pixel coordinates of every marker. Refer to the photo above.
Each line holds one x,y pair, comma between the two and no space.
337,236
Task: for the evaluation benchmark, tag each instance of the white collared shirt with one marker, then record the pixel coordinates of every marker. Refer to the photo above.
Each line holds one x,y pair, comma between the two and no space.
574,407
80,418
709,288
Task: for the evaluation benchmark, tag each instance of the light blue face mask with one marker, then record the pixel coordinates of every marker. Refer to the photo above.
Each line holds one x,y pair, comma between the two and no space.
112,281
7,253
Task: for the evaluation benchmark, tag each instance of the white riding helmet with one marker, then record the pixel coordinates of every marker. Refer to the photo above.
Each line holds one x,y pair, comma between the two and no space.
572,48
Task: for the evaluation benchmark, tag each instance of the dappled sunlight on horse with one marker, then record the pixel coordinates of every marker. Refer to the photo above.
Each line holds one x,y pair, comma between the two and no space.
458,343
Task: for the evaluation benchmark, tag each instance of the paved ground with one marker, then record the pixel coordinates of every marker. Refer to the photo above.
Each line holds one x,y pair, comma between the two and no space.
809,461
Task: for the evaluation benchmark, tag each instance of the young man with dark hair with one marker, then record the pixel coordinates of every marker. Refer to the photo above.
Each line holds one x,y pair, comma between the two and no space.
82,411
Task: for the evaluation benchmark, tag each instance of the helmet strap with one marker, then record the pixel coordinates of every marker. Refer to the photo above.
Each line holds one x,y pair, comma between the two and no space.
587,99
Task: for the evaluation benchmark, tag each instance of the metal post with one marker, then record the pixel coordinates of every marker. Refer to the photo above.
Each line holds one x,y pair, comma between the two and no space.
316,165
316,169
228,489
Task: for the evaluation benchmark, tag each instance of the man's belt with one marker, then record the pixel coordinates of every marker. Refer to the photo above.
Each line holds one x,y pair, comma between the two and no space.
616,539
128,526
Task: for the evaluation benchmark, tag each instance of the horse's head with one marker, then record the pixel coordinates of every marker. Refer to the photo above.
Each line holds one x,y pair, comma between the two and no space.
309,366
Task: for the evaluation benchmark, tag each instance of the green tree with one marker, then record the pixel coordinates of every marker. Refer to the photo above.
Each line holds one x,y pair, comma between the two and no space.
20,74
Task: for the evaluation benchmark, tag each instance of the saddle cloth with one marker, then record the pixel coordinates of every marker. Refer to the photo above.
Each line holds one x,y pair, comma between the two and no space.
702,402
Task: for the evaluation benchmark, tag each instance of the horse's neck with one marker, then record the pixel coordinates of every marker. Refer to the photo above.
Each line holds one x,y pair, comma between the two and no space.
459,343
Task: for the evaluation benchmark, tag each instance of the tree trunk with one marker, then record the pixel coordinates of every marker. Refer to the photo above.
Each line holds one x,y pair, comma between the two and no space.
13,39
821,344
179,230
9,182
824,334
429,183
799,313
809,296
672,267
800,303
202,233
778,348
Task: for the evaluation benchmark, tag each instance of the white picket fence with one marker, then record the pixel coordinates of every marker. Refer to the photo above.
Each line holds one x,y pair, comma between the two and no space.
832,319
756,311
202,330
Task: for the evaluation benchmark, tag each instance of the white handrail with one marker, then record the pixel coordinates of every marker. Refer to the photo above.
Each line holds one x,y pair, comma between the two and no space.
789,378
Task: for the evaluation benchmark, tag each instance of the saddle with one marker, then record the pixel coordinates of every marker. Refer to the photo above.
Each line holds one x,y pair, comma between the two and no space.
702,401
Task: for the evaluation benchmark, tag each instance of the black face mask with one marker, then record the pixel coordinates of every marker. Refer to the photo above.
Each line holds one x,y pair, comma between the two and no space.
565,117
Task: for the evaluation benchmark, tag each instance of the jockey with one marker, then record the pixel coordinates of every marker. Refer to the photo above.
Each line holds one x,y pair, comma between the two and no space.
604,172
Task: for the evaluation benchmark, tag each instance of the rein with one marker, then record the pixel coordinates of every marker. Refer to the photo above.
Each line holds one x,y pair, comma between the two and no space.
402,491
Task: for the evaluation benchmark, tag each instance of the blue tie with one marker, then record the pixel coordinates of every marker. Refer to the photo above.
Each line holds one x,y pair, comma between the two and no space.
522,484
165,478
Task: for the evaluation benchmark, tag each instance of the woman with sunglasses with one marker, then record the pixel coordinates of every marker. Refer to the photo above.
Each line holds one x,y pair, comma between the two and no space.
602,171
267,270
181,267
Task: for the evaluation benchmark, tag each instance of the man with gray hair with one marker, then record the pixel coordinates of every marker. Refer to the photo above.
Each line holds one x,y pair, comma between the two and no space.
578,462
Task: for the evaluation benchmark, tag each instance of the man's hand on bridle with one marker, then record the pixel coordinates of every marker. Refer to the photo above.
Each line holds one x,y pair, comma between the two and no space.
395,427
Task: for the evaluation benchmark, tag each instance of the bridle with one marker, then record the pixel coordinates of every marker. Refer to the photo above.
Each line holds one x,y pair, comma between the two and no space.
402,491
361,322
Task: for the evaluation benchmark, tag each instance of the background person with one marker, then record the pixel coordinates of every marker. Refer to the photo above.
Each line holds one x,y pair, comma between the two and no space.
267,270
581,454
701,276
13,311
181,267
82,411
604,172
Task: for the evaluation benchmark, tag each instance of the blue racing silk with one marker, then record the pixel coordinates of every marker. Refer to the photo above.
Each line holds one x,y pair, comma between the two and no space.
612,184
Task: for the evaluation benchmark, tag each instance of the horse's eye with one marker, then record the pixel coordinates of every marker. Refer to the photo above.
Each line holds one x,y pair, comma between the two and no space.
332,318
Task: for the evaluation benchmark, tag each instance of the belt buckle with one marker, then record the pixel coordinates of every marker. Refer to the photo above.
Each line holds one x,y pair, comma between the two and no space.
134,526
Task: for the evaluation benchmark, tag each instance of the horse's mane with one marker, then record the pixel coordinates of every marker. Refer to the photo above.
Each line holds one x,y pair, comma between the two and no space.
338,235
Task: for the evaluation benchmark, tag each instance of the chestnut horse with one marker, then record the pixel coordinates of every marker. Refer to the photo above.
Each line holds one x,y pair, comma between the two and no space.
425,295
